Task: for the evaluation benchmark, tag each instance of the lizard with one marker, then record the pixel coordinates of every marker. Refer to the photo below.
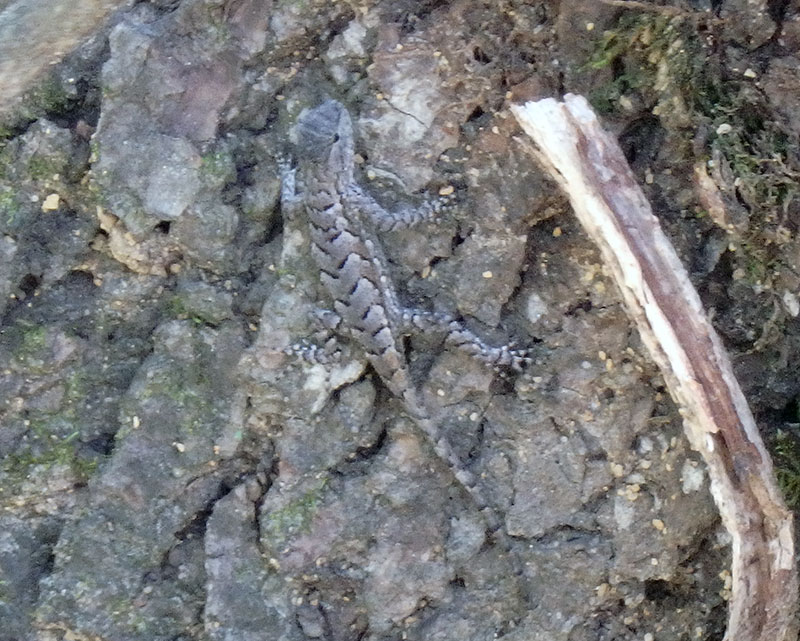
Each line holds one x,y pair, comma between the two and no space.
342,221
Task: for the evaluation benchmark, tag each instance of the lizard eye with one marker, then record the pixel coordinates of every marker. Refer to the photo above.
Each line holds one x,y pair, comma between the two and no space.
336,138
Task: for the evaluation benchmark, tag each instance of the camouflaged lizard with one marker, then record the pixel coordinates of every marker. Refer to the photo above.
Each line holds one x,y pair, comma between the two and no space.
342,221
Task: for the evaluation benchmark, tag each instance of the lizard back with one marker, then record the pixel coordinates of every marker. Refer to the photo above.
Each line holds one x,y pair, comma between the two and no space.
350,260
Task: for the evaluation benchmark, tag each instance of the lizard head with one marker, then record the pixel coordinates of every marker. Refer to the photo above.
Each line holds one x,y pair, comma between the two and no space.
325,135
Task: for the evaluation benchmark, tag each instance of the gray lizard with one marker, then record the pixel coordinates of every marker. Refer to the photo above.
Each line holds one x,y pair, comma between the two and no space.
342,221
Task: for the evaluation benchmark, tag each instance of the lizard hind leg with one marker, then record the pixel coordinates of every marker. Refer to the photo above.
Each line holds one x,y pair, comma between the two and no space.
466,340
314,353
323,348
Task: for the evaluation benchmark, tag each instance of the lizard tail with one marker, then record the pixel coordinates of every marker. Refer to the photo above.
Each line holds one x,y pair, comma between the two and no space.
467,479
494,522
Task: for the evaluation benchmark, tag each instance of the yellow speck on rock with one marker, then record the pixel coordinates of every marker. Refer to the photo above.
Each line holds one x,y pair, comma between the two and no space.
51,203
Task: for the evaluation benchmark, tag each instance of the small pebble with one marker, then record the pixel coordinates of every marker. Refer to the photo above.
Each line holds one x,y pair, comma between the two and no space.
51,202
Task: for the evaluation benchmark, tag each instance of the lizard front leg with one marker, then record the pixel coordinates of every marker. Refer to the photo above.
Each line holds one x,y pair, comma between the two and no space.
291,199
324,347
402,218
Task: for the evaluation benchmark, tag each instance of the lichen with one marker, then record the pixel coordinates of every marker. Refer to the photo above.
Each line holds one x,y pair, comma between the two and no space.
296,516
9,207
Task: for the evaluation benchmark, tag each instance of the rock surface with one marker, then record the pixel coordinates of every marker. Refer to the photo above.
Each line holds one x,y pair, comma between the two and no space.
170,470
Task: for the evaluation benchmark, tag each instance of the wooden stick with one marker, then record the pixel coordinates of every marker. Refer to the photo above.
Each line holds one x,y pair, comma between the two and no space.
590,167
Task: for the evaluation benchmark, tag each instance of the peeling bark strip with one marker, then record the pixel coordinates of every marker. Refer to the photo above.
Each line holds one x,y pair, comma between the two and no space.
589,165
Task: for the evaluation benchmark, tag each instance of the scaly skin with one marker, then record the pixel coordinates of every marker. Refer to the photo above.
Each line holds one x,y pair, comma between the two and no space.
353,270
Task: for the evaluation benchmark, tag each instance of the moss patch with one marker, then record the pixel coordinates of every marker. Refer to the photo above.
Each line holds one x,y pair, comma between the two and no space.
786,450
295,517
668,65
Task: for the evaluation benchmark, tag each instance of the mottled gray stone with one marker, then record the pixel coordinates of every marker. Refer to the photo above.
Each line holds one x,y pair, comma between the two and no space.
25,547
750,22
213,483
781,85
236,607
171,423
147,176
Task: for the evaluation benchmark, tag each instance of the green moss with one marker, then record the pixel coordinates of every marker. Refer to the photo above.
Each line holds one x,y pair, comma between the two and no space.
218,167
109,93
298,5
94,151
5,160
28,342
665,64
42,168
184,397
9,208
218,30
186,388
758,152
44,453
50,97
635,48
295,517
177,307
50,436
786,451
660,58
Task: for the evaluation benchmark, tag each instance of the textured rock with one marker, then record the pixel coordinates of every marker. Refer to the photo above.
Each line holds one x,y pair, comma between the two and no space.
782,85
49,32
751,21
173,468
143,522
